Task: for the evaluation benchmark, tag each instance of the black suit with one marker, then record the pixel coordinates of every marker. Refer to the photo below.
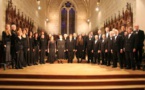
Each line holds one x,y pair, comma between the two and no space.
122,57
96,47
104,46
13,49
110,47
85,44
89,48
139,50
70,46
117,46
129,45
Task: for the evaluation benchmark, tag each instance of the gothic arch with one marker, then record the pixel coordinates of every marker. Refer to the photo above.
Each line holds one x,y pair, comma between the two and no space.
60,15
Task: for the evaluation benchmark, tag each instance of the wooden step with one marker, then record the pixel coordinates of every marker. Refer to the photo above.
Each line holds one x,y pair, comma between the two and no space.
104,82
117,87
35,76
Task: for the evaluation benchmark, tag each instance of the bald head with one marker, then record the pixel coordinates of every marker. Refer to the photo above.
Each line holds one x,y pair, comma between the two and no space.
136,27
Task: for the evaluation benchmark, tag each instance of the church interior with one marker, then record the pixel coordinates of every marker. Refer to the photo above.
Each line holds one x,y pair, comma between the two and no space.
60,17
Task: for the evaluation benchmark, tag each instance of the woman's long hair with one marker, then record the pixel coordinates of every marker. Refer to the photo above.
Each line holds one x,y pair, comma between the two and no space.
7,30
80,40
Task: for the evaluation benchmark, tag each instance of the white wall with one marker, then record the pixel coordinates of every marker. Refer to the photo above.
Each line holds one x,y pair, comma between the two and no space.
140,14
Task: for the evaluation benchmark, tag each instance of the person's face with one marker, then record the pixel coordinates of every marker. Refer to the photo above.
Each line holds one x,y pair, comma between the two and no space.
122,28
136,27
103,36
70,36
107,29
96,37
52,38
74,35
8,27
14,27
36,35
99,32
42,36
30,33
24,31
129,31
60,36
42,33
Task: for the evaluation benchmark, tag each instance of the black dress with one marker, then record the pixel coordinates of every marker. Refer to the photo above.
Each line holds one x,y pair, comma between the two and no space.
80,50
30,52
60,48
36,50
6,39
51,48
19,53
25,48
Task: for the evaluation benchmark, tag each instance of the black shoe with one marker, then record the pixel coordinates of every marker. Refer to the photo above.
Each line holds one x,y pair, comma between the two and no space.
114,67
61,62
128,68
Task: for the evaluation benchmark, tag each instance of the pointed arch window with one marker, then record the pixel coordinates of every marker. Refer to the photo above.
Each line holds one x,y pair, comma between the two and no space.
68,18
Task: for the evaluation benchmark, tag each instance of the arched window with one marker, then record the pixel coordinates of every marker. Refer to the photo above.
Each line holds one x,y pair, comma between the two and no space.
68,18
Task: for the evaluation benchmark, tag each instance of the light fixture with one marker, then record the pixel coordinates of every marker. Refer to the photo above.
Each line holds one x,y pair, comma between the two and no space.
97,9
47,20
98,4
39,7
88,20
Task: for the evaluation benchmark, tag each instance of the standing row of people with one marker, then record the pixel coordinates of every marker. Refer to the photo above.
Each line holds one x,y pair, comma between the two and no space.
23,48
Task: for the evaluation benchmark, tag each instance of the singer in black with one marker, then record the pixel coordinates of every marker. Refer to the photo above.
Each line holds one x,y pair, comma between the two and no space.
52,50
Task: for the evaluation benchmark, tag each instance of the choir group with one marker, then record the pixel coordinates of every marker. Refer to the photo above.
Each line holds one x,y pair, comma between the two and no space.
121,48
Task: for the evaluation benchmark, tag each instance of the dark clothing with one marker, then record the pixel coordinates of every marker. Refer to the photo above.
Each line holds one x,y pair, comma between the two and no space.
96,48
36,50
80,50
117,46
30,52
139,50
85,44
89,47
110,47
70,46
130,44
19,52
104,46
6,39
60,48
52,50
122,57
43,47
25,48
13,50
66,53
